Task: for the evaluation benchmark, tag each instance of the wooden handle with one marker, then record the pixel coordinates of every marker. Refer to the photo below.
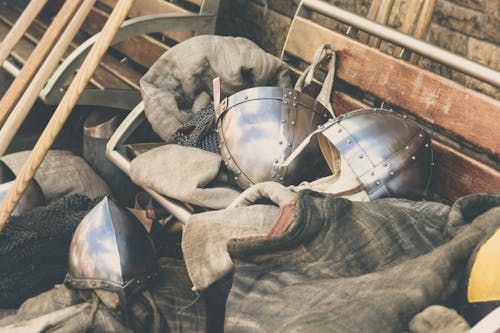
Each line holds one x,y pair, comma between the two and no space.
64,109
30,95
27,17
423,24
36,58
411,14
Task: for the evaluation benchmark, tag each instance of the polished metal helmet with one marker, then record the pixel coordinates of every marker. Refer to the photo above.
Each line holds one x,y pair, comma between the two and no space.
111,250
390,155
259,127
31,198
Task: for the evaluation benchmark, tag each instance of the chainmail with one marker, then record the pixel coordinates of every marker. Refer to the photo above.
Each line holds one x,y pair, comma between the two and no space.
34,248
199,131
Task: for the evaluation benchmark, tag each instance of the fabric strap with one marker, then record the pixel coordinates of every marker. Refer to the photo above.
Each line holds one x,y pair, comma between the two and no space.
321,55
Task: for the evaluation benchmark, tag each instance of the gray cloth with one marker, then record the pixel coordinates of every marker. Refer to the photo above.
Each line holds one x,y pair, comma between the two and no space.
438,319
180,309
183,76
344,266
184,173
61,173
206,234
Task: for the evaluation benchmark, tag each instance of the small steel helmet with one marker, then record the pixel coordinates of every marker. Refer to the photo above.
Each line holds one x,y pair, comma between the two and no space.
111,250
390,155
260,127
32,197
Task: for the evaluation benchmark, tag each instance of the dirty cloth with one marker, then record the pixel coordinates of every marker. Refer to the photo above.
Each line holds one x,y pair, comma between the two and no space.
61,173
344,266
182,77
181,309
438,319
205,235
34,248
187,174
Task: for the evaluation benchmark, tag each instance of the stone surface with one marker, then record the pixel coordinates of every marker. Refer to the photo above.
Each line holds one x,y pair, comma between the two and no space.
461,19
447,39
492,29
473,4
484,53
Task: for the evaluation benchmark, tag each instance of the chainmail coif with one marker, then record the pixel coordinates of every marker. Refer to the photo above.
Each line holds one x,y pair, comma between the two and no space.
34,248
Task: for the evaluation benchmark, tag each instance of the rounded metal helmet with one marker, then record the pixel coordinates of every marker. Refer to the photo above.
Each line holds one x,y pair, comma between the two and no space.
260,127
111,250
31,198
391,155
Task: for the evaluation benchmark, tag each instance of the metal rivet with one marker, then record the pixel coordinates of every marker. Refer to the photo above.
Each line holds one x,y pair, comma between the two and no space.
360,155
148,276
272,176
281,178
386,163
276,160
391,173
235,178
138,281
426,145
239,172
377,182
225,163
294,104
432,164
421,135
246,97
289,145
407,147
285,102
283,121
349,141
413,158
294,97
219,146
330,120
321,126
372,173
405,116
339,130
289,93
280,142
292,123
94,284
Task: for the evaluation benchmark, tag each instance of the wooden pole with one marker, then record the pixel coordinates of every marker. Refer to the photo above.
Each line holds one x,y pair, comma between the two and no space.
27,17
37,57
30,95
64,109
423,24
409,20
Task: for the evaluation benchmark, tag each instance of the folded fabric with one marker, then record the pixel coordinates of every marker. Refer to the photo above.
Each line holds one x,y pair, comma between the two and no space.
344,266
438,319
206,235
180,309
61,173
184,173
180,80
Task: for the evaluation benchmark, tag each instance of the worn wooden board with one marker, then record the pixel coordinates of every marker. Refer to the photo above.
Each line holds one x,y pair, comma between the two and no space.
149,7
143,50
454,175
465,113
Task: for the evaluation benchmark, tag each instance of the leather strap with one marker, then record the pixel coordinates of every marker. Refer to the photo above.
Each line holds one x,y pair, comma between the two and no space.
321,55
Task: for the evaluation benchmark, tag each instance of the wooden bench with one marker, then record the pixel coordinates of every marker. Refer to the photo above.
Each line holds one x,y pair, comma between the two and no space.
462,122
116,81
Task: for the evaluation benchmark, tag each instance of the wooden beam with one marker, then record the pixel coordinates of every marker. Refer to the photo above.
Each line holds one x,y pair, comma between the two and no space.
463,112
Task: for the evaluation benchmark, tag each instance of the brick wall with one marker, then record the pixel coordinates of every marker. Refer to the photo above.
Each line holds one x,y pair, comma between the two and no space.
470,28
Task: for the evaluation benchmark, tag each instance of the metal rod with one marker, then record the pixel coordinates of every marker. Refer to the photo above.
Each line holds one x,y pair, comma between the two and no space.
416,45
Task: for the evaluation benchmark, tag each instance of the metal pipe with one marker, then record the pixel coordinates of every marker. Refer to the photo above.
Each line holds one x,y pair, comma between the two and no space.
438,54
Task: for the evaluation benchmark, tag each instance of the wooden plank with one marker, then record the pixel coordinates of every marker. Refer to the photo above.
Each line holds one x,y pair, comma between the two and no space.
148,7
454,175
143,50
465,113
102,78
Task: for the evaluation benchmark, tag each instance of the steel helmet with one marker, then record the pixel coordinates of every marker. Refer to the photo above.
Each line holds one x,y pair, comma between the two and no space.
111,250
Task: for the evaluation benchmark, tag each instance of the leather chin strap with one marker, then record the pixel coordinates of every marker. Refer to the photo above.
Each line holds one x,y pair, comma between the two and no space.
321,56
